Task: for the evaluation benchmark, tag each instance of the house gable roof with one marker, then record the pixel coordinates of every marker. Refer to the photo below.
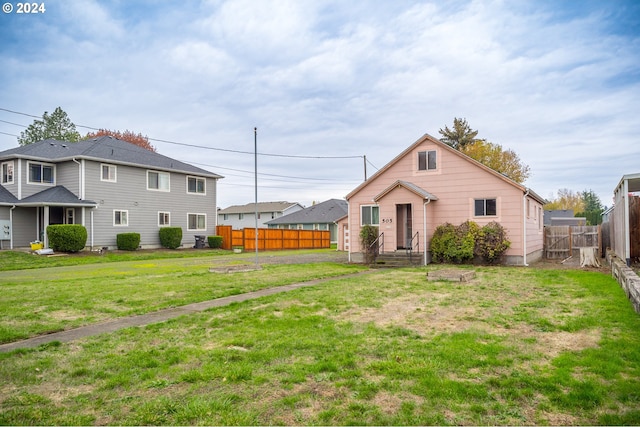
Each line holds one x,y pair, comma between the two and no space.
409,186
262,207
428,138
104,149
326,212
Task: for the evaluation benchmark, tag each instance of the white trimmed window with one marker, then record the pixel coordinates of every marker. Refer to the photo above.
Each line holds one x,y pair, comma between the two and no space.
120,218
427,160
485,207
196,185
370,215
196,221
164,219
7,172
158,181
41,173
108,173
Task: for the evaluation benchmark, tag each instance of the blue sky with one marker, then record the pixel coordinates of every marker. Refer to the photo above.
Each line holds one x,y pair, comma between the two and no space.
556,81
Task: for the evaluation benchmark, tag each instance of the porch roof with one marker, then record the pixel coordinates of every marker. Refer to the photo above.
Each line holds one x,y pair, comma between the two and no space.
6,198
409,186
55,196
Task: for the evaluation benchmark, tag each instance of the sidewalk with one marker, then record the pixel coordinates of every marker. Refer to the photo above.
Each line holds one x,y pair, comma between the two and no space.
158,316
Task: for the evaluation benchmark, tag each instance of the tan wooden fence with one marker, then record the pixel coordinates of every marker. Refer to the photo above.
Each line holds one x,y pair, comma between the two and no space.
272,239
563,241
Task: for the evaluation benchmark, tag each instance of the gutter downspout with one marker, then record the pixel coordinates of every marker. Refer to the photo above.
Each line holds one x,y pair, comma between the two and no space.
11,222
424,228
524,224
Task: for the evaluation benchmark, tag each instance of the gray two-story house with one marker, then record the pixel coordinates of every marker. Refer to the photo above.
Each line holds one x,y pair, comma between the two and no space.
109,186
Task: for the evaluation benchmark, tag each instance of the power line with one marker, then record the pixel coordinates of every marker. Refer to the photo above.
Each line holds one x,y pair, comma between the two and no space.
202,146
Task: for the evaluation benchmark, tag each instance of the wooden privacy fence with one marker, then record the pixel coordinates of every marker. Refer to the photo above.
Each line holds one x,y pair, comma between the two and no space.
272,239
563,241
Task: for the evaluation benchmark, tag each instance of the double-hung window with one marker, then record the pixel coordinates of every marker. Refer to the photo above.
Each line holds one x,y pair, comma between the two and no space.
164,219
370,215
196,221
485,207
196,185
158,181
427,160
41,173
108,173
120,218
7,172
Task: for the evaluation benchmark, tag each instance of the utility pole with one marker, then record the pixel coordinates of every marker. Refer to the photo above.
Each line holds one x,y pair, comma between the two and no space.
255,161
365,167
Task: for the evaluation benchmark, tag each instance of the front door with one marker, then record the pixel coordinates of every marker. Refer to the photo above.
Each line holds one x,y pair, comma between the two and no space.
404,228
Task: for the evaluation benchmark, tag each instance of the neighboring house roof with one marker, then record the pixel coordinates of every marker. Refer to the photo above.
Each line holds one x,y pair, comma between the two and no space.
262,207
409,186
105,149
427,137
557,213
326,212
58,195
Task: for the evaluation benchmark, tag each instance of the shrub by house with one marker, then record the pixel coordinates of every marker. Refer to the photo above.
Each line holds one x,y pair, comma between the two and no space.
128,241
171,237
67,237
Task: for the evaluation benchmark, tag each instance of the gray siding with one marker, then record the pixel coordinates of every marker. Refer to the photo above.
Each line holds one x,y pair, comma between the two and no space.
130,194
24,227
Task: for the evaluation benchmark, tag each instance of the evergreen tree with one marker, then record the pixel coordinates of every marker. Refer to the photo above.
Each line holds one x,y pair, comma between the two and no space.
460,136
55,126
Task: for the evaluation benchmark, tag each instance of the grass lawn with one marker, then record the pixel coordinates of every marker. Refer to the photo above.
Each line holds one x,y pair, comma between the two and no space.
517,346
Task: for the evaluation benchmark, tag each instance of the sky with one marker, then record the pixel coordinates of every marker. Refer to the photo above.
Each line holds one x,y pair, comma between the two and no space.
336,89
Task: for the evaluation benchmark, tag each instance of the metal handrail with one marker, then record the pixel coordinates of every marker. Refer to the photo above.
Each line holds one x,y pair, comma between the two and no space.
380,241
416,238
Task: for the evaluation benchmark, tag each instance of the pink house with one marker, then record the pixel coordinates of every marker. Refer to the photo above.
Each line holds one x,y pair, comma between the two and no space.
431,183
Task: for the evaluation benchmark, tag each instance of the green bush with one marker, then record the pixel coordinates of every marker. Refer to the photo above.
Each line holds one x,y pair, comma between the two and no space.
171,237
368,235
492,242
67,237
215,242
454,244
128,241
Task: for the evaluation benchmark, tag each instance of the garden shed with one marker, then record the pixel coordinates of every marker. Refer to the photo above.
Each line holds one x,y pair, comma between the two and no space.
625,218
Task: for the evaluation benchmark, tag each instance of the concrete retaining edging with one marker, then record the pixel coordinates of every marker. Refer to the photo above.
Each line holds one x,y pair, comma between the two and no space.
627,278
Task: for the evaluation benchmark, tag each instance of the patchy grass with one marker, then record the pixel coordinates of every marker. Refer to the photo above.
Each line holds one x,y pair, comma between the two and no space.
55,299
514,347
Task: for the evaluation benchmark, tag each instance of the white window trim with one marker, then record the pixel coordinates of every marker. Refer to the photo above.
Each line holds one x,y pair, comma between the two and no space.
114,217
115,173
53,172
159,173
13,171
204,193
197,214
427,161
164,213
485,207
361,216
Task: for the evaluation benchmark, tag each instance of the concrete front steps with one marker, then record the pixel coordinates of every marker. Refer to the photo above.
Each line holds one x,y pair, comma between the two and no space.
399,258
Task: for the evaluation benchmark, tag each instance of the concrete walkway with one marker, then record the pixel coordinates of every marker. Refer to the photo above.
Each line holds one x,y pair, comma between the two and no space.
159,316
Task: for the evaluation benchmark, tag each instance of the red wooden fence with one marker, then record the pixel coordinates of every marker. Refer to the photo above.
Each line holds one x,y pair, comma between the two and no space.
272,239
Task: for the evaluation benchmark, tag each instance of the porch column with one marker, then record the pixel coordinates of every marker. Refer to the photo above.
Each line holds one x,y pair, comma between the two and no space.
45,224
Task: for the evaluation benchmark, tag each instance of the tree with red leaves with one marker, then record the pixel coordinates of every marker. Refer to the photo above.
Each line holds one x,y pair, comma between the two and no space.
133,138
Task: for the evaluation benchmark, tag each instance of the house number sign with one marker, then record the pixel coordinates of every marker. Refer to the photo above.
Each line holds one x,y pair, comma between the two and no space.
387,220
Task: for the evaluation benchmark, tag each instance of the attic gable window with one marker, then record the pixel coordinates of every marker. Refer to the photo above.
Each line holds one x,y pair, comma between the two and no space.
427,160
486,207
158,181
41,173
